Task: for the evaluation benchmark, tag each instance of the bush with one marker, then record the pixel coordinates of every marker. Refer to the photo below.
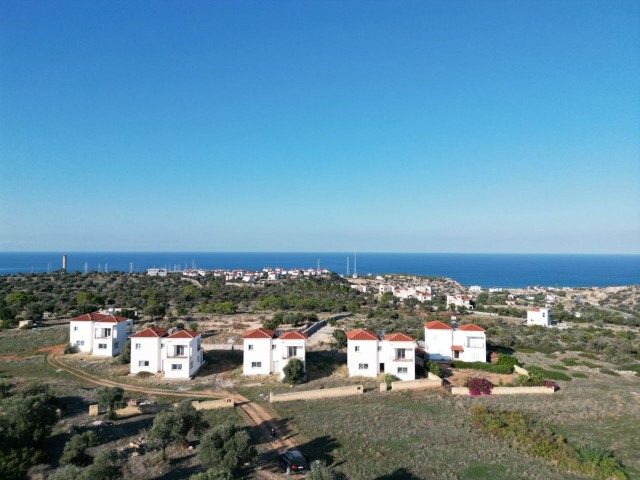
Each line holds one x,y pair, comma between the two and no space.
540,441
548,374
606,371
340,337
74,449
110,399
389,379
225,447
68,348
579,375
569,362
15,462
213,474
432,368
479,386
487,367
321,471
293,371
507,360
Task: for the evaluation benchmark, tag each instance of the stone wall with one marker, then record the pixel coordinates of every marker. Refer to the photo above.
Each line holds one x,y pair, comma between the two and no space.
214,404
416,384
508,390
317,394
93,410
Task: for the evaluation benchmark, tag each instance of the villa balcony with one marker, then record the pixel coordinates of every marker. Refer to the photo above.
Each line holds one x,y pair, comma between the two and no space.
402,359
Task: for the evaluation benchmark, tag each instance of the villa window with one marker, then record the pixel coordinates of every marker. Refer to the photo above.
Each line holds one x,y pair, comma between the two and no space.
402,370
138,346
176,366
256,364
363,366
79,342
143,363
249,347
75,329
179,350
273,347
357,348
116,345
475,342
379,348
102,346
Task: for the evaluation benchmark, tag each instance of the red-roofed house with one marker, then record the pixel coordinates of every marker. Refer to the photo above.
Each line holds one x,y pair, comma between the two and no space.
467,343
368,356
99,334
459,301
177,353
265,353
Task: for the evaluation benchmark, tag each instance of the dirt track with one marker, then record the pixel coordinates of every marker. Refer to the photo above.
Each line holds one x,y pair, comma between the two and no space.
256,413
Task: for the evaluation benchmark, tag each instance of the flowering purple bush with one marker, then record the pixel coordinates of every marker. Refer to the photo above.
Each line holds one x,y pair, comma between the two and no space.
551,384
478,386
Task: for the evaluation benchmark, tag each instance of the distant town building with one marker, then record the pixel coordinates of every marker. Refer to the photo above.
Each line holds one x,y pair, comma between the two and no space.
459,301
539,316
475,289
157,272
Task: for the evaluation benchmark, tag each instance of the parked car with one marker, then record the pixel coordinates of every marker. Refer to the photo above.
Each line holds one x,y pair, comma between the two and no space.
294,461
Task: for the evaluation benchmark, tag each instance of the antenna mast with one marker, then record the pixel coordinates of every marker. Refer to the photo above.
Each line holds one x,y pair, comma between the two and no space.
347,266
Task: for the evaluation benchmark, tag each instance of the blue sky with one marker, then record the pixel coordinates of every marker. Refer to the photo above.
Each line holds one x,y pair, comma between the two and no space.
491,126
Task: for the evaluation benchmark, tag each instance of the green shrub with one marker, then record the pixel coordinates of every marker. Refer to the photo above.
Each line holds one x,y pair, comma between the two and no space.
432,368
484,366
579,375
74,449
548,374
591,365
607,371
558,367
540,441
293,371
68,348
14,462
569,362
507,360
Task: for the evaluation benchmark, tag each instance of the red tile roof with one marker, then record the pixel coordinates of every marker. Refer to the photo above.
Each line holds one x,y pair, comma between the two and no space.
457,348
89,317
184,334
152,332
437,325
258,333
293,336
533,310
361,334
398,337
98,317
470,327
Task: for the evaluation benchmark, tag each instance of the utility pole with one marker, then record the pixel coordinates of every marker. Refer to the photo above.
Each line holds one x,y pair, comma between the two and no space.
86,268
130,267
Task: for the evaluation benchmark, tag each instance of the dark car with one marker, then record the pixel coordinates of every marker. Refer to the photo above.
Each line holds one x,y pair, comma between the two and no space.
294,461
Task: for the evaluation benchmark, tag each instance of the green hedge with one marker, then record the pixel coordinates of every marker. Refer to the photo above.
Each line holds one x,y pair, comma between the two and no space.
487,367
548,374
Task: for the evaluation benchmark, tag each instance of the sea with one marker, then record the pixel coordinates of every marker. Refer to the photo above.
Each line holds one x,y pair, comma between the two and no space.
485,270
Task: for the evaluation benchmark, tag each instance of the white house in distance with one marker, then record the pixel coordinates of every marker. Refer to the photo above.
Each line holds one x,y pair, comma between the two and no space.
539,316
178,354
99,334
265,353
467,343
368,356
459,301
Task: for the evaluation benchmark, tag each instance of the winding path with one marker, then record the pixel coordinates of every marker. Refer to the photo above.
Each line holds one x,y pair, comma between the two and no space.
255,412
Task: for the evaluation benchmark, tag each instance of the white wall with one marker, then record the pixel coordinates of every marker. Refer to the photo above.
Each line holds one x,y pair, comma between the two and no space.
281,353
367,354
543,317
149,350
258,350
391,365
81,336
188,363
474,344
437,343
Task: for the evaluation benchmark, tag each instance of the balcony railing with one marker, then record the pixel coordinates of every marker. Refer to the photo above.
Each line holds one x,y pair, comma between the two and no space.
102,336
402,359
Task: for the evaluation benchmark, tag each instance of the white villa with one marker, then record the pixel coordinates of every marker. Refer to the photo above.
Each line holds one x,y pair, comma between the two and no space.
157,272
539,316
178,354
368,356
459,301
265,353
99,334
443,342
422,294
